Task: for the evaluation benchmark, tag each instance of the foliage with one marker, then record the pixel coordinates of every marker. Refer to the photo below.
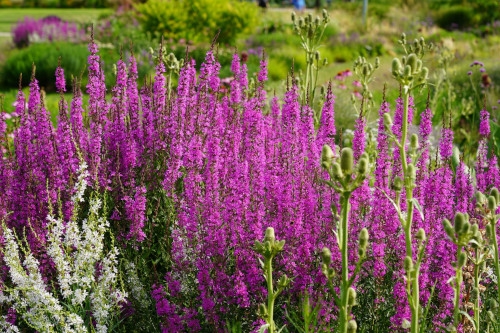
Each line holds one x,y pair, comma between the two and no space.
456,17
197,21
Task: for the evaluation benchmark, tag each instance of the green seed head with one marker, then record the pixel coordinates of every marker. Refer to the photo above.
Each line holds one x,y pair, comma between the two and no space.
466,228
488,231
492,203
414,141
459,222
327,156
337,172
351,296
363,238
412,62
346,160
421,235
412,171
397,184
363,166
408,264
352,327
326,256
462,258
396,67
269,236
494,192
387,120
448,229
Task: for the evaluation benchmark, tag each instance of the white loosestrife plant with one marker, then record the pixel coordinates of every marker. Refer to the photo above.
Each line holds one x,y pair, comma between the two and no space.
85,296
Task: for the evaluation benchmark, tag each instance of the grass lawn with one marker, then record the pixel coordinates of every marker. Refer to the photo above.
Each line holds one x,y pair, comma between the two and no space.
8,17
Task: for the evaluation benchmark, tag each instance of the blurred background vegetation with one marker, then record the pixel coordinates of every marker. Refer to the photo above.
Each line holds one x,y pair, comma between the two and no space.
463,32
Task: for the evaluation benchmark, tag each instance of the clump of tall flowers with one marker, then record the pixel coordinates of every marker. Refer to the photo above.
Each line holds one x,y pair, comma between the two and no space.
85,296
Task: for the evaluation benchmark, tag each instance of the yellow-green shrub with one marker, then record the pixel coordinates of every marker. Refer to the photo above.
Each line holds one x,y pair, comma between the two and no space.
198,20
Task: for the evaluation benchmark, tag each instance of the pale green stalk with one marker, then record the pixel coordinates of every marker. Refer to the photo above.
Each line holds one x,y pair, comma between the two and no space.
344,315
412,285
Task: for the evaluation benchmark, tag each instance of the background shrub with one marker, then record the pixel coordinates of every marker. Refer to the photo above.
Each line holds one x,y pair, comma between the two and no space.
197,20
456,17
45,57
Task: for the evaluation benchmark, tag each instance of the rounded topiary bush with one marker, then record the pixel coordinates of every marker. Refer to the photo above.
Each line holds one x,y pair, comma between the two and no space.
456,17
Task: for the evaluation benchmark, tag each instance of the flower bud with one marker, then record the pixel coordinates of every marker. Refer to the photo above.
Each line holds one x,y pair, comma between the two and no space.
327,156
448,229
363,166
421,235
326,256
408,264
407,71
262,310
492,203
412,172
459,222
488,231
424,74
316,55
462,258
414,141
397,184
412,62
419,66
269,236
293,17
494,192
363,238
352,326
465,228
346,160
480,198
387,120
336,171
396,67
474,229
365,70
351,296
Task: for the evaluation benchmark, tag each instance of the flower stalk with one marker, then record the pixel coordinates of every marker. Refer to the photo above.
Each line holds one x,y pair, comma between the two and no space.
344,179
269,248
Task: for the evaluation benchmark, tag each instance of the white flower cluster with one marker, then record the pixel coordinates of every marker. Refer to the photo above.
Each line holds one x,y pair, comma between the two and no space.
83,289
137,291
489,273
7,327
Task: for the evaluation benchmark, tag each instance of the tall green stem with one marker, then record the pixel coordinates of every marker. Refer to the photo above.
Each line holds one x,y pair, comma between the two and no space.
476,288
458,283
270,297
344,316
495,257
412,277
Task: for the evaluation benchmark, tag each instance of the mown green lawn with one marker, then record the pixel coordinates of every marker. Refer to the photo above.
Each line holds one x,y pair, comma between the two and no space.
8,17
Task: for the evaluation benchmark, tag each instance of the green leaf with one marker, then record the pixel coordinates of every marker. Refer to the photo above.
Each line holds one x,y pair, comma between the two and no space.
418,207
263,328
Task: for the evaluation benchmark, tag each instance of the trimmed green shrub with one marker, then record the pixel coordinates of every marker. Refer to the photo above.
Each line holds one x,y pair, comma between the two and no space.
456,17
45,56
197,20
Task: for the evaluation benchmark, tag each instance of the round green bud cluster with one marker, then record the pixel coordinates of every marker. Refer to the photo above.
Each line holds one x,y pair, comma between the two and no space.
269,247
346,160
352,327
